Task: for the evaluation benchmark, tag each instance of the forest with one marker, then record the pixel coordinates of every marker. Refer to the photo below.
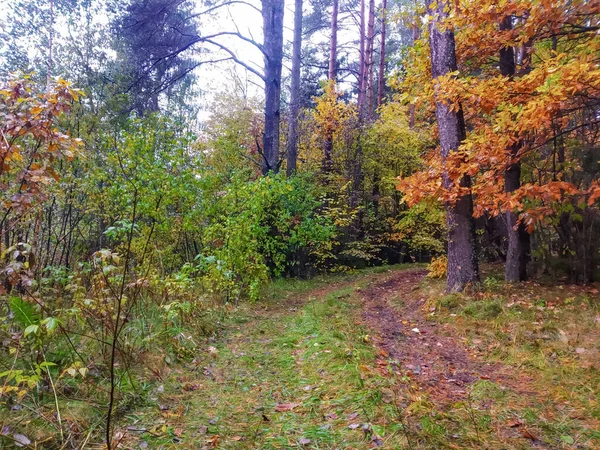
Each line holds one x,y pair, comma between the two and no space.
312,224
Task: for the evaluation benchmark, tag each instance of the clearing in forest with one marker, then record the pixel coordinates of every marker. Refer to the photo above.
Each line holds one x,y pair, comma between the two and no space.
383,359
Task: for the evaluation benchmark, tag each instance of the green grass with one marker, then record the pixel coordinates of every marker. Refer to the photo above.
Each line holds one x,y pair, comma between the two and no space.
546,336
303,344
313,355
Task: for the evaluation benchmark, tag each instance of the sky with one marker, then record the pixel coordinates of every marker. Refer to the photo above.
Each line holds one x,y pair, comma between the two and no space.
214,79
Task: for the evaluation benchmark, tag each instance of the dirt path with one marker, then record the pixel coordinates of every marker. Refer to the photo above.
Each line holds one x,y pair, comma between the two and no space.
420,348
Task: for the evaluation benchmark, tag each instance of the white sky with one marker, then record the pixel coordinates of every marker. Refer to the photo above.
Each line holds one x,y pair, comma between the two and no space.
218,78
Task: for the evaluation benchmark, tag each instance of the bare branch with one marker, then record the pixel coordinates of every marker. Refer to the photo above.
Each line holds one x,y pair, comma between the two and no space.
235,58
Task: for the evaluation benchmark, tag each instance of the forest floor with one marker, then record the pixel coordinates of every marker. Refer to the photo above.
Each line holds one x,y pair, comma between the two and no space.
383,358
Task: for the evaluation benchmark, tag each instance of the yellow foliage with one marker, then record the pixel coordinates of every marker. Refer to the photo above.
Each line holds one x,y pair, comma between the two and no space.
438,267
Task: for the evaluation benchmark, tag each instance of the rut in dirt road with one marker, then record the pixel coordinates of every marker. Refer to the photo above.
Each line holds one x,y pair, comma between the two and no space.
421,348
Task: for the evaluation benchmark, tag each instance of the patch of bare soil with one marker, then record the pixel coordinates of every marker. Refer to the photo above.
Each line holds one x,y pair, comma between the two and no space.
421,348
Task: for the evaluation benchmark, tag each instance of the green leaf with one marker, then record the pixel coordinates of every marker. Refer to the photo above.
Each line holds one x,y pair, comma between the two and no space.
31,329
24,312
51,323
567,439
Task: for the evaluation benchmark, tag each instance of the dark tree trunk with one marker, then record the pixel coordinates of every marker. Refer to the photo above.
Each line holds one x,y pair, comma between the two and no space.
381,87
462,256
272,12
517,255
333,43
370,59
362,73
292,145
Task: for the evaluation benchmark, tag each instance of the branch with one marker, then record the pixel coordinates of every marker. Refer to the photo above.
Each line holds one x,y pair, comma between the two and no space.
236,59
213,8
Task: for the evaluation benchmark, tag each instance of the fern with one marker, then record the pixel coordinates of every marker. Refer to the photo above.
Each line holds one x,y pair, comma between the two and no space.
24,312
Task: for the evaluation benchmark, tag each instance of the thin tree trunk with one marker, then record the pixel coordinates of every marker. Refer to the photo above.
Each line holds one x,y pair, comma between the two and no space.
517,255
462,256
381,87
333,43
272,12
370,59
361,62
292,145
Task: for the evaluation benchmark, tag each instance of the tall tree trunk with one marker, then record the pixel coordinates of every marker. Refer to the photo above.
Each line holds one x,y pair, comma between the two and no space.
462,256
292,145
362,75
333,42
517,255
370,59
381,86
272,12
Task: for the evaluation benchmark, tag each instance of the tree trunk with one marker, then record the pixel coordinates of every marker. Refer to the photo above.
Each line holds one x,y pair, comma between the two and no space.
292,145
370,59
381,87
517,255
462,256
333,44
362,78
272,12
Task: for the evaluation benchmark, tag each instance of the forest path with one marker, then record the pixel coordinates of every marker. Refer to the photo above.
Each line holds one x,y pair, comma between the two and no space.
353,361
426,351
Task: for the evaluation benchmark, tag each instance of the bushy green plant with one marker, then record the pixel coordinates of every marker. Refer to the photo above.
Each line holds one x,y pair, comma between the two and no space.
256,229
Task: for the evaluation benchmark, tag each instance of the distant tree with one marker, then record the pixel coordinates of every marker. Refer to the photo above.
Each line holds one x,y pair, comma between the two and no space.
150,39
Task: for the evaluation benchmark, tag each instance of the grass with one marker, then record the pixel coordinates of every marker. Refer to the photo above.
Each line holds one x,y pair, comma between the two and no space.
307,354
548,338
297,370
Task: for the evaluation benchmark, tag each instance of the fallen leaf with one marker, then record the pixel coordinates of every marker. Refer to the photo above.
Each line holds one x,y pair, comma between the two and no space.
514,423
304,441
236,438
21,440
527,434
213,440
283,407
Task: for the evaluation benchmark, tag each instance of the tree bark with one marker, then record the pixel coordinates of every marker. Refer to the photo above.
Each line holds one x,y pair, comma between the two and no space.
333,42
381,87
292,145
517,255
362,78
462,256
272,12
370,58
